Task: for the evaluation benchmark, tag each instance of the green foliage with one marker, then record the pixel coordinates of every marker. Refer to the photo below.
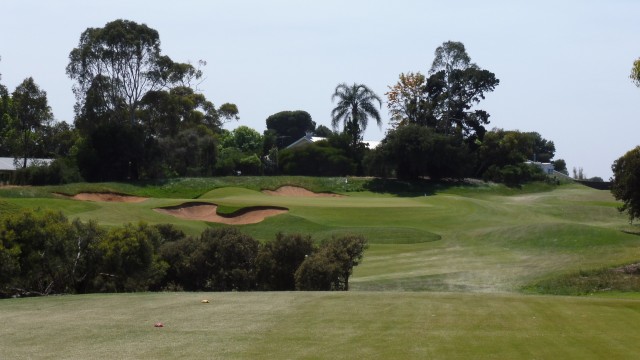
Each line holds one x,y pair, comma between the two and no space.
128,260
560,166
246,140
354,108
635,72
289,126
278,260
514,175
60,171
330,267
38,252
250,165
626,182
416,151
318,159
502,154
323,131
32,112
115,66
167,112
220,259
191,152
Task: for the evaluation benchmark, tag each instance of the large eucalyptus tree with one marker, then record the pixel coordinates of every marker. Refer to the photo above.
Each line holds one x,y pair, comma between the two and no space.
116,66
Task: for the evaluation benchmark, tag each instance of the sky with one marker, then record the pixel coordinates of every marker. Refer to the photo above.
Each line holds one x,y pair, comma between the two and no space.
563,65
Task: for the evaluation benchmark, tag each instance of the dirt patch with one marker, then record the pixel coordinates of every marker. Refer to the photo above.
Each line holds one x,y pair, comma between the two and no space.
106,197
208,212
297,192
632,269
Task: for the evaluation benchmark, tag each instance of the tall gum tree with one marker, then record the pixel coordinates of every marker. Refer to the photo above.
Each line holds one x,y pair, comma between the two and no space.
31,109
122,62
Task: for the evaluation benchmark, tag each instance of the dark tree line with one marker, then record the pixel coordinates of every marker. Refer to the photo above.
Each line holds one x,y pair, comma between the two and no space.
42,252
439,133
139,115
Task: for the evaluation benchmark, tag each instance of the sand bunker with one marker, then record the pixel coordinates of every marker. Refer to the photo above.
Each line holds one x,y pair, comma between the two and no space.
108,197
208,212
297,191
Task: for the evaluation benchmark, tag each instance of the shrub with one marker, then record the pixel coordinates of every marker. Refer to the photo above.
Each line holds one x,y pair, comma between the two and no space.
220,259
128,260
37,250
332,265
278,260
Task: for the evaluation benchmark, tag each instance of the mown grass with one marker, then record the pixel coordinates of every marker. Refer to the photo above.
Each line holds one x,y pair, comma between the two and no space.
352,325
459,237
447,275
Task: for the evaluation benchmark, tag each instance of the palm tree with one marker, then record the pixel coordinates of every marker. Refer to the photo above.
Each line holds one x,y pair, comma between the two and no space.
355,107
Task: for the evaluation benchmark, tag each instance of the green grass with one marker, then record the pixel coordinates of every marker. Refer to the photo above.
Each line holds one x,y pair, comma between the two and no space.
353,325
445,276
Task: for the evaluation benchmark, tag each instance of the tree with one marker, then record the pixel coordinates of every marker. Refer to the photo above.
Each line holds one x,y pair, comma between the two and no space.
32,112
323,131
354,108
166,112
635,72
406,100
190,152
290,126
221,259
346,252
317,159
560,166
626,182
37,251
128,259
330,267
244,138
454,86
278,260
415,151
116,66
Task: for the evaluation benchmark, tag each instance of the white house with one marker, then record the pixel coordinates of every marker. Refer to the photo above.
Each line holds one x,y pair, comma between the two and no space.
8,165
547,168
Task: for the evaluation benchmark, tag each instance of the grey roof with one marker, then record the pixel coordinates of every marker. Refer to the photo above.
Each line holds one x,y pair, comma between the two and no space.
7,163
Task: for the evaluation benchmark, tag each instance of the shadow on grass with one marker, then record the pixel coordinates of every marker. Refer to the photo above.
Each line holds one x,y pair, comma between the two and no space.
413,188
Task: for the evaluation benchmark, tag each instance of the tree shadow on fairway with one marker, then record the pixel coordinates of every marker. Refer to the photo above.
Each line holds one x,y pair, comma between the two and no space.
413,188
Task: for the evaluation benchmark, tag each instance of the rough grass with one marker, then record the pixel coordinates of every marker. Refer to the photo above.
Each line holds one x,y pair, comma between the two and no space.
289,325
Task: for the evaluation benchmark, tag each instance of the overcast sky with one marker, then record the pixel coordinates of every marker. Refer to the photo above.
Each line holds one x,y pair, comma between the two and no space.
563,65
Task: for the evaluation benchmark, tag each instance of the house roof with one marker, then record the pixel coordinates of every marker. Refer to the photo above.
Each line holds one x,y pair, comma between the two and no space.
311,139
7,163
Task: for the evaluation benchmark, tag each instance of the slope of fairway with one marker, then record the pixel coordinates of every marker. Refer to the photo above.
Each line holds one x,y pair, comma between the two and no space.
478,238
289,325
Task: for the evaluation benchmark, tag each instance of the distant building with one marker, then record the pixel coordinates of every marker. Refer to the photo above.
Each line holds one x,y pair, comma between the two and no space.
9,165
547,168
310,139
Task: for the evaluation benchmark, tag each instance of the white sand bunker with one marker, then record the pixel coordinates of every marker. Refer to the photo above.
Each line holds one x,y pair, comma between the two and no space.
208,212
298,191
108,197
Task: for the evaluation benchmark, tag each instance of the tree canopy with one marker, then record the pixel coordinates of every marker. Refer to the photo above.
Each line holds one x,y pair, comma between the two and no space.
445,99
635,72
290,126
626,182
116,66
354,108
31,109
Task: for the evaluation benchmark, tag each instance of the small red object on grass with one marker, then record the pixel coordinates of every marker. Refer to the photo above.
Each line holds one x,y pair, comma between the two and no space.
158,324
